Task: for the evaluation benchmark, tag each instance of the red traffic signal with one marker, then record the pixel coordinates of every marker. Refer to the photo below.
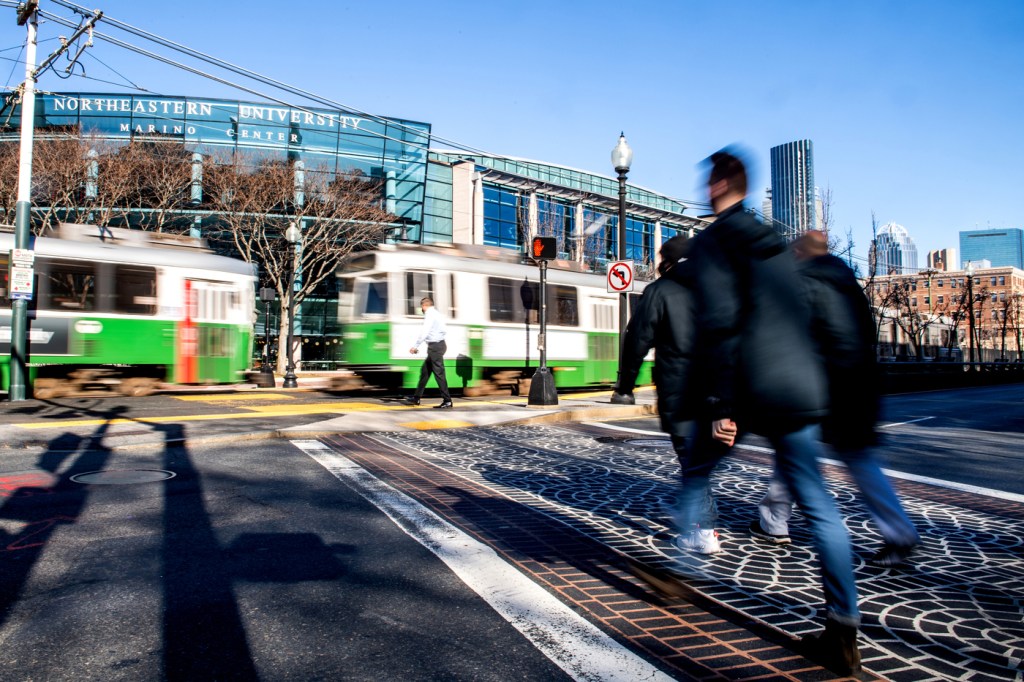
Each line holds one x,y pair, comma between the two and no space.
544,248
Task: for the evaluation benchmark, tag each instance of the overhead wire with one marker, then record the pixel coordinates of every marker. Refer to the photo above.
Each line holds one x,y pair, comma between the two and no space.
233,68
310,96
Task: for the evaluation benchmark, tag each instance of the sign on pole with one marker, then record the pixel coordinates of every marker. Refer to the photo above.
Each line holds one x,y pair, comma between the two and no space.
21,274
620,277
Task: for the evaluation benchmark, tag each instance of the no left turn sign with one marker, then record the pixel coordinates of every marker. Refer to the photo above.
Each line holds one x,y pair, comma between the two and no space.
620,277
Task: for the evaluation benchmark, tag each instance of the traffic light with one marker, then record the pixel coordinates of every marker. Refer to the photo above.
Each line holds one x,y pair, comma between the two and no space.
544,248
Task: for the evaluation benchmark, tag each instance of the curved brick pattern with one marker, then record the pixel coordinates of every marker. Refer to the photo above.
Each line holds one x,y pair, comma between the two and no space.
956,614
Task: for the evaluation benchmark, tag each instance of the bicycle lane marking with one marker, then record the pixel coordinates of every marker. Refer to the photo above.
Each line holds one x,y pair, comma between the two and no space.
575,645
891,473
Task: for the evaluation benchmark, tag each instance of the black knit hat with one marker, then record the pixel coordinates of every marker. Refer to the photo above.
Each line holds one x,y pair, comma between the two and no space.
674,249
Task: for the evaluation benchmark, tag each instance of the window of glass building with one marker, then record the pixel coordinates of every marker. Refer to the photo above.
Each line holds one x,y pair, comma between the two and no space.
501,217
555,219
639,241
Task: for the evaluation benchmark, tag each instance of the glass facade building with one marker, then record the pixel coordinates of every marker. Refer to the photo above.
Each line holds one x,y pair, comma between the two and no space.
504,202
999,247
793,207
390,149
434,196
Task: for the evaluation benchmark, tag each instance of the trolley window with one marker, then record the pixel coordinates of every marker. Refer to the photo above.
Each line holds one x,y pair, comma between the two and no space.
563,308
418,285
135,290
502,302
66,285
509,300
371,296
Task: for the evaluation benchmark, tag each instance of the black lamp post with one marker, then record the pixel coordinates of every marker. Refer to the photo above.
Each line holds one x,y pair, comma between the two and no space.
266,371
622,157
294,236
969,271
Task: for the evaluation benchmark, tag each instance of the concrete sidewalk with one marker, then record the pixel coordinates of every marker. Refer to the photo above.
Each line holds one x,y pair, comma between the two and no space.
198,415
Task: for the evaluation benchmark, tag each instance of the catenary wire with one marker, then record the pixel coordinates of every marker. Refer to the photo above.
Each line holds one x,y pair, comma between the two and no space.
264,80
283,86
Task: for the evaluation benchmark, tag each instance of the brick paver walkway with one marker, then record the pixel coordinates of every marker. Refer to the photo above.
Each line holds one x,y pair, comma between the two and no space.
569,505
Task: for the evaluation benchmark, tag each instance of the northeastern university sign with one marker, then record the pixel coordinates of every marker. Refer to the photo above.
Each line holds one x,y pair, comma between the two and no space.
206,120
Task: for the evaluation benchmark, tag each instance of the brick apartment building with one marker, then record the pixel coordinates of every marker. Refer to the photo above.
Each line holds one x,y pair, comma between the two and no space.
925,314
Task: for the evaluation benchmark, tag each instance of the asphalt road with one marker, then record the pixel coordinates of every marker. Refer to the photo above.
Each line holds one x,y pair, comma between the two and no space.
971,436
255,562
250,563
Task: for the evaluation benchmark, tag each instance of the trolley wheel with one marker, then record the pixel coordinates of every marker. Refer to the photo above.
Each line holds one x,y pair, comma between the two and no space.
137,387
47,389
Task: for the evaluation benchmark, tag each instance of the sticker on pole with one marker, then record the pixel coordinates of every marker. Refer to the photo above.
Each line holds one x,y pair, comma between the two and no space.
620,277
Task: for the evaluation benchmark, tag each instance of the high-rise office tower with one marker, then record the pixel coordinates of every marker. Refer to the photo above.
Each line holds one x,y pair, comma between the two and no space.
793,197
894,252
1001,247
943,259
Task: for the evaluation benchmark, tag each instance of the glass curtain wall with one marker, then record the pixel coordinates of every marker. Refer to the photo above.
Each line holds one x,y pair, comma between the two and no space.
501,217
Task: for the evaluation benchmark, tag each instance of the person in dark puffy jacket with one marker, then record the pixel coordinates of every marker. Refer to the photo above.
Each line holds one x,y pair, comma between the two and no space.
663,320
757,369
843,329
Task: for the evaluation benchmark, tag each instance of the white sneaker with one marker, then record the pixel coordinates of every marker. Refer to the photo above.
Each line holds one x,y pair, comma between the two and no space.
700,541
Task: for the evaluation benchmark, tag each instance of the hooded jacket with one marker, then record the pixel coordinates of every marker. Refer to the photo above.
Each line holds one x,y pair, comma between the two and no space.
844,331
754,358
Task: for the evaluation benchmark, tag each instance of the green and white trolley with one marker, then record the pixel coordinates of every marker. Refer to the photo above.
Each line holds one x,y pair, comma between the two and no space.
128,310
490,300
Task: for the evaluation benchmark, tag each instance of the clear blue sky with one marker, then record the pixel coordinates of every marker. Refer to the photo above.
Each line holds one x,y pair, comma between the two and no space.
915,108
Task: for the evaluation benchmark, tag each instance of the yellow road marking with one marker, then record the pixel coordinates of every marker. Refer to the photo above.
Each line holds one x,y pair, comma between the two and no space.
254,412
322,407
227,397
437,424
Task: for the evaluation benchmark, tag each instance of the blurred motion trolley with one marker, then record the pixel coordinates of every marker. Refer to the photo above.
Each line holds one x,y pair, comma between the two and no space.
127,310
490,299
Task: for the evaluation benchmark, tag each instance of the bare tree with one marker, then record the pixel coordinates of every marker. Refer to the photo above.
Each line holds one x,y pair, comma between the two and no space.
141,183
58,181
826,218
9,156
162,173
256,204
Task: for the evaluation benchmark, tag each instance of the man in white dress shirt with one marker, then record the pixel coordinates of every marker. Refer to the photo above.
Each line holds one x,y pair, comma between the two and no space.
433,332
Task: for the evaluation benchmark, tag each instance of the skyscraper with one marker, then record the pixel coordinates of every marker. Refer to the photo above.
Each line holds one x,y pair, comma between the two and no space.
943,259
894,252
1001,247
793,198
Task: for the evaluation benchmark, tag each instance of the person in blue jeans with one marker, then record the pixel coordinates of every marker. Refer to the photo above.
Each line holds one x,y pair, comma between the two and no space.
755,367
663,320
843,329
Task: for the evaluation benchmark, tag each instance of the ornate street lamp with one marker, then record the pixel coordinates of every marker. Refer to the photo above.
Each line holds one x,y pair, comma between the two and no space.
294,236
969,271
622,157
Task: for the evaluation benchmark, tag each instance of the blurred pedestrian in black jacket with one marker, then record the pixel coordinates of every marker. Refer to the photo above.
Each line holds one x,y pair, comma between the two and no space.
663,320
843,329
757,370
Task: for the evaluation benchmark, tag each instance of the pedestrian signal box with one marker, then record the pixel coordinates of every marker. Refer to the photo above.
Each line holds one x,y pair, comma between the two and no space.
544,248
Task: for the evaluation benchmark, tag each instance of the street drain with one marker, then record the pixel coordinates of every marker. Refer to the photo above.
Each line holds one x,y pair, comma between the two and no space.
123,476
649,442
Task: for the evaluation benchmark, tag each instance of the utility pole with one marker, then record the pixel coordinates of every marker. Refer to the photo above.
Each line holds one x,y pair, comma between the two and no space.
23,208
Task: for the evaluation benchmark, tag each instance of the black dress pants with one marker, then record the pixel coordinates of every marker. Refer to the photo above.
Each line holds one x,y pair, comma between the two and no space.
434,364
